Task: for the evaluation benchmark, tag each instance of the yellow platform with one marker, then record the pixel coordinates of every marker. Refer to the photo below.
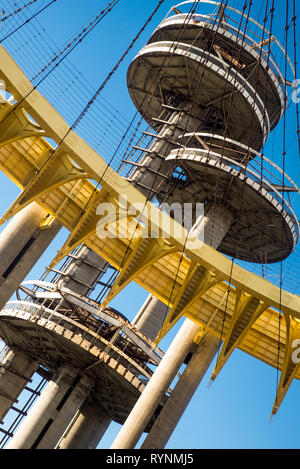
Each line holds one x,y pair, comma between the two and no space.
194,282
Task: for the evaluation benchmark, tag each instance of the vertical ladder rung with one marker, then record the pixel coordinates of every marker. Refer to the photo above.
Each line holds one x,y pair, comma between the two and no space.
33,391
21,412
6,432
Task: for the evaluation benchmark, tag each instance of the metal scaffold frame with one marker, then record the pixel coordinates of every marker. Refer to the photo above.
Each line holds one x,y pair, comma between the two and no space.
34,393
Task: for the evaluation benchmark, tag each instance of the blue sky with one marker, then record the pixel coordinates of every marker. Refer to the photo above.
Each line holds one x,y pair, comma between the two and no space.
235,411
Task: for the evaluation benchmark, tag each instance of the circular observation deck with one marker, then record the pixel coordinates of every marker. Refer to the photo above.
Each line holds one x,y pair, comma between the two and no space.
215,68
226,102
111,352
214,60
235,48
265,229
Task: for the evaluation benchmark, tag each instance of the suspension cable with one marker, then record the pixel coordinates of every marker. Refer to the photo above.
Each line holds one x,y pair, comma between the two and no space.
9,15
85,31
287,26
93,99
27,21
296,66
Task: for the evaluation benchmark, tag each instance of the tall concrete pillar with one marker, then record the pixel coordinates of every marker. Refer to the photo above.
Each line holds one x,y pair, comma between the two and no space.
156,387
15,372
52,412
81,274
90,423
215,225
182,394
22,243
150,317
86,429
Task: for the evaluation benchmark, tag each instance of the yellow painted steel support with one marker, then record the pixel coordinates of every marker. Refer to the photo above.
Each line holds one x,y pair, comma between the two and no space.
16,125
197,281
146,252
291,363
56,128
90,221
47,222
246,311
5,108
97,168
48,177
191,280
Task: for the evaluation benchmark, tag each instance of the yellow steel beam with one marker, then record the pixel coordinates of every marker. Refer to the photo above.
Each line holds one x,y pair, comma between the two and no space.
247,309
56,171
56,128
145,253
17,125
193,284
89,221
197,281
291,363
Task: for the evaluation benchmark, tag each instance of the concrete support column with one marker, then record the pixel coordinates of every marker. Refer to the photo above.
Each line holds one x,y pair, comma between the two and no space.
89,424
214,225
82,273
182,394
156,387
214,232
52,412
15,372
151,172
86,429
150,317
22,243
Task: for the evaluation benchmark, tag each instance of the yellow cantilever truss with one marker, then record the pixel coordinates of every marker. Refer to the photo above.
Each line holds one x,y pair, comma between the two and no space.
193,282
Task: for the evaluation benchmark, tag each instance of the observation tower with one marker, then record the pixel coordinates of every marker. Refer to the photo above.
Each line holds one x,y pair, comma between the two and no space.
219,94
211,91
